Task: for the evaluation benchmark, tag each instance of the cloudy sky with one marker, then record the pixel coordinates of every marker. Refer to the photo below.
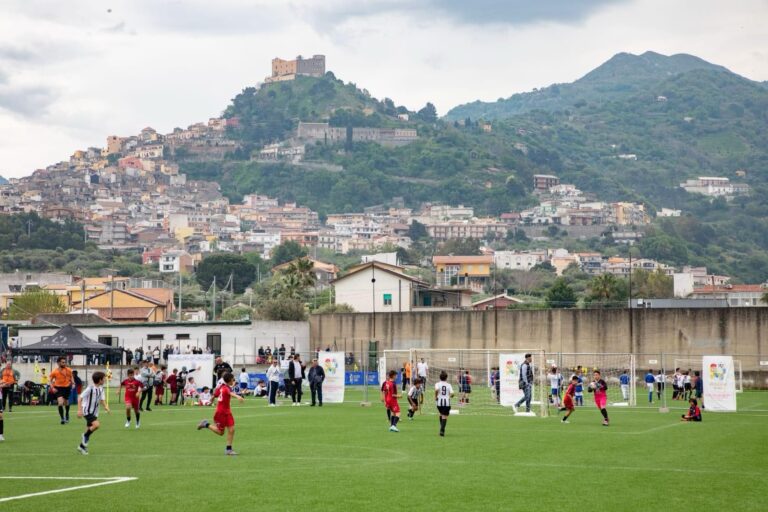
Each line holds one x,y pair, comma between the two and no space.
73,72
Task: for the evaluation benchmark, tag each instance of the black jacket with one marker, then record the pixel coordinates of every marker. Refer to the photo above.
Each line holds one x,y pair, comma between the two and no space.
316,375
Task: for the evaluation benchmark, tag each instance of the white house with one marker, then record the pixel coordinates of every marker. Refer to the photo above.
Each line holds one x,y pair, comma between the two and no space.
382,288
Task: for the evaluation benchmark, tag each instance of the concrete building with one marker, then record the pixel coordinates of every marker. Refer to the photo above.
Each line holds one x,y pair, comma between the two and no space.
514,260
737,295
175,262
543,182
466,271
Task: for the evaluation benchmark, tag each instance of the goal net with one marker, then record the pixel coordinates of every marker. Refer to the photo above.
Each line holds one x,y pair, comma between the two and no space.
473,374
614,368
695,364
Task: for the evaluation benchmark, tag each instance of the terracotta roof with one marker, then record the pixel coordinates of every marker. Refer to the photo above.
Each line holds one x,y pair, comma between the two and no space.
461,259
732,288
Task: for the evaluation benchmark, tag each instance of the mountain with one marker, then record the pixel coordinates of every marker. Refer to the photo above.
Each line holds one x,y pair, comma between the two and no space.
621,76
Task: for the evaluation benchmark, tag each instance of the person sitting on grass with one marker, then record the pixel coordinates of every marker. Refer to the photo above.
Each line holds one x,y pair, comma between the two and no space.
190,388
204,399
694,413
260,389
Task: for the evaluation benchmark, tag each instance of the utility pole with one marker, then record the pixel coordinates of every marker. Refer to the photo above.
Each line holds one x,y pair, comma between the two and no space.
82,295
373,297
214,300
631,318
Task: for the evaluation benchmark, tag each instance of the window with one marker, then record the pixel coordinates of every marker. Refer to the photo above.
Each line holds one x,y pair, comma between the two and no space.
387,299
213,342
105,340
155,337
182,336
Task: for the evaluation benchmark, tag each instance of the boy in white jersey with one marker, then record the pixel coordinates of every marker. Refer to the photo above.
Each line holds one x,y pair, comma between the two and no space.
414,394
443,394
555,379
88,407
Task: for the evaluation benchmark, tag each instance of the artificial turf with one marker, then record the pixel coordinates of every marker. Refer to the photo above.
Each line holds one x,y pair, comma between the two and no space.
342,457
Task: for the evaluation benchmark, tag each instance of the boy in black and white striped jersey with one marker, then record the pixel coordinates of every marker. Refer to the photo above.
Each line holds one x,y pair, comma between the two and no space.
443,394
88,408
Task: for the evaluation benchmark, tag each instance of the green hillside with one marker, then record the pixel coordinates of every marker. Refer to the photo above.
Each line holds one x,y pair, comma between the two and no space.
620,77
680,116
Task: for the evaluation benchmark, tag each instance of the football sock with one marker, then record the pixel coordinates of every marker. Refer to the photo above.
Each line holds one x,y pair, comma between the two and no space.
66,408
389,415
61,411
1,427
395,419
229,447
604,413
138,416
443,422
87,435
127,416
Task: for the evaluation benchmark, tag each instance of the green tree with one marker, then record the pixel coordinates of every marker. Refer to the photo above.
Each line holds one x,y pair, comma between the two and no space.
303,270
460,247
417,231
286,252
561,295
237,312
333,308
428,114
35,302
606,291
222,266
282,309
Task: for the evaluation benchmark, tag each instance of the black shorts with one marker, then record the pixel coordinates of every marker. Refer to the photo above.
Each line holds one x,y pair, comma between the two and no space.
444,410
63,392
414,403
90,418
466,389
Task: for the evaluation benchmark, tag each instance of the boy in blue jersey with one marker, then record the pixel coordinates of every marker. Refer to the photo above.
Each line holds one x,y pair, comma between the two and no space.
624,382
650,382
579,393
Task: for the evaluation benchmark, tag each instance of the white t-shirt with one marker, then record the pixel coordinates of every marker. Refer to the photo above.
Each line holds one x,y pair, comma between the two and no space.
659,378
244,378
444,392
554,380
421,369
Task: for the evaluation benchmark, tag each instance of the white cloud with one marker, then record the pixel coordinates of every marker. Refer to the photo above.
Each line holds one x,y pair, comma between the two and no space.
72,73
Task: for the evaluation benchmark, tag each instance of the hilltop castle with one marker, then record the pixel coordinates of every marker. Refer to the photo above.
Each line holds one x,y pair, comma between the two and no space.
283,70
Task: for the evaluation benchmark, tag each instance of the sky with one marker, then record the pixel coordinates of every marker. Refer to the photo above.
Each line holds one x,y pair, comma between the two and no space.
73,72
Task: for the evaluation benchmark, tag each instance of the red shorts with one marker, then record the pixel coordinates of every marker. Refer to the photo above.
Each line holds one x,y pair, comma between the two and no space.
600,401
393,406
568,402
133,402
223,419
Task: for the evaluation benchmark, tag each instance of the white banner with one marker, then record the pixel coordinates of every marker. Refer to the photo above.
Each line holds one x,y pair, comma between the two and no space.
509,374
333,386
719,383
202,364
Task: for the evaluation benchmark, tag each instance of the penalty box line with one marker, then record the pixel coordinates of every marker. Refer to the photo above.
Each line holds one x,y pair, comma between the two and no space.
102,481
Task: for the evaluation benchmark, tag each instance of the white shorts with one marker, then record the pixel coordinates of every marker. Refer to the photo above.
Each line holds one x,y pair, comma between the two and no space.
650,386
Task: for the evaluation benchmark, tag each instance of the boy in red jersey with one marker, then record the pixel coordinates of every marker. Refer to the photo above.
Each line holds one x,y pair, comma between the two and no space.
389,396
694,413
568,404
222,418
599,387
132,387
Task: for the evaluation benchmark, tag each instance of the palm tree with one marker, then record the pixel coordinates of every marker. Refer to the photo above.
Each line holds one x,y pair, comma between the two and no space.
602,289
302,268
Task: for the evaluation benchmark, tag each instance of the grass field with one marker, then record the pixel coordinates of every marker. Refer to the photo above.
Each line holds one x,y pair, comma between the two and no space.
342,457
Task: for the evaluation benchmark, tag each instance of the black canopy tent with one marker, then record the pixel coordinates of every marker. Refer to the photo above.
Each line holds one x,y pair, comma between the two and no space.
67,340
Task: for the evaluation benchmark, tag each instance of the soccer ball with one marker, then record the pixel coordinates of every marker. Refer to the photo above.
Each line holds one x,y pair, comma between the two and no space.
592,386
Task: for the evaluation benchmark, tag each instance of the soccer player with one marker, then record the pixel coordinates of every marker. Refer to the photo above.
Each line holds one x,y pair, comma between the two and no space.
421,370
624,383
222,418
580,386
650,382
60,380
389,396
414,394
88,408
2,386
443,394
555,379
694,413
465,387
132,387
568,398
659,384
599,387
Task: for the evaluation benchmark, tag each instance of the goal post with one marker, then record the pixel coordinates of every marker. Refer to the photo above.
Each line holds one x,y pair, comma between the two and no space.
612,366
473,373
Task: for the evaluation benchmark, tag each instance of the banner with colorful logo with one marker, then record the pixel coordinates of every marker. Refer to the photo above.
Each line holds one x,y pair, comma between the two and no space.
333,386
719,383
509,378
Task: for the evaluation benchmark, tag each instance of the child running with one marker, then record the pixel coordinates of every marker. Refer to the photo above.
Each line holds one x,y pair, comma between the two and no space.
88,408
222,418
389,396
131,399
599,387
414,394
443,394
694,413
568,398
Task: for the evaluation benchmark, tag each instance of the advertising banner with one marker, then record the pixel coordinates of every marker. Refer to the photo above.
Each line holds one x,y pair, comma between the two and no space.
719,383
509,376
333,386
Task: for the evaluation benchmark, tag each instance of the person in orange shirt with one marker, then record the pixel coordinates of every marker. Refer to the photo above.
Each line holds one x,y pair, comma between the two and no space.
60,380
8,382
406,375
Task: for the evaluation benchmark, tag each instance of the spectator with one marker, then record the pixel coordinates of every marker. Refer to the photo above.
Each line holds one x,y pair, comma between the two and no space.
147,379
190,389
156,355
268,354
128,356
8,382
219,369
281,351
296,376
173,384
698,387
273,375
525,383
244,380
260,390
316,378
293,351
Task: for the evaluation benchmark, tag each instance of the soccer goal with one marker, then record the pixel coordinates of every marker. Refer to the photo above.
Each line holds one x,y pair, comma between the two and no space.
695,365
611,366
473,373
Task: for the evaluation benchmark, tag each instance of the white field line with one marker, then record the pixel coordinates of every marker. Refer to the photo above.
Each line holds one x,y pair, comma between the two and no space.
104,481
